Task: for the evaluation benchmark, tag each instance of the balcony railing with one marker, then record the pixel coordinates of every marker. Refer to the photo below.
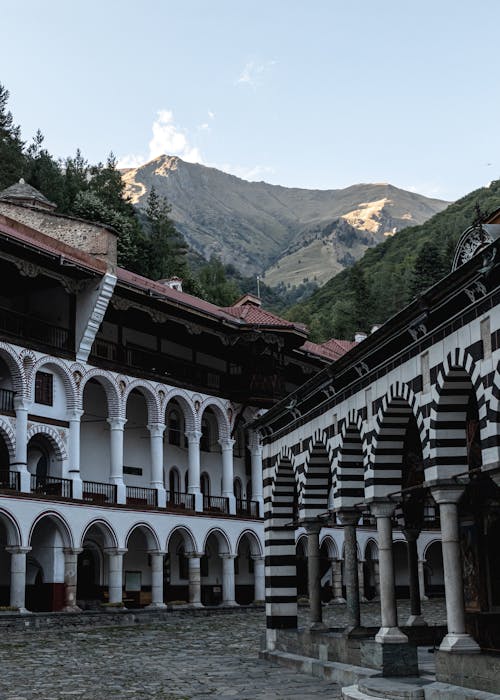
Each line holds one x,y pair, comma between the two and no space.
97,492
9,481
22,326
249,509
216,504
139,496
156,363
6,400
180,501
51,486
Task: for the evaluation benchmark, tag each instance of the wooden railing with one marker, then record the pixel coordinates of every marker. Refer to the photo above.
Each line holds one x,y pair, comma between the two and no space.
9,481
249,509
97,492
51,486
6,400
139,496
180,501
216,504
21,326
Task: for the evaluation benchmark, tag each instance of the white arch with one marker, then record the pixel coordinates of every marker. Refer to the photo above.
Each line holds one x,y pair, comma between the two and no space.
189,539
333,550
52,435
105,528
220,412
60,368
184,401
223,543
254,542
60,523
150,396
152,539
110,387
16,369
9,437
14,538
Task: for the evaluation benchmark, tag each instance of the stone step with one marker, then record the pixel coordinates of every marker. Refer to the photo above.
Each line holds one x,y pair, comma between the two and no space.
394,688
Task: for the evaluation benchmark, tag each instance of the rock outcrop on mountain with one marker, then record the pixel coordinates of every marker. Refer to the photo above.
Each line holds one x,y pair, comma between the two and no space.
285,234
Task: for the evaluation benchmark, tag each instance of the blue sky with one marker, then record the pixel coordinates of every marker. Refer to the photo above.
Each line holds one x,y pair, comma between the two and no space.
321,94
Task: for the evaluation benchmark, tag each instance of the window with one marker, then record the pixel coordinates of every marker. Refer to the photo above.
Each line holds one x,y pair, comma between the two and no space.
44,388
173,481
205,484
237,488
183,563
205,435
249,490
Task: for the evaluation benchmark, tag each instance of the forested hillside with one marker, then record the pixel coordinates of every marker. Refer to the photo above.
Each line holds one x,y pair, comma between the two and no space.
390,275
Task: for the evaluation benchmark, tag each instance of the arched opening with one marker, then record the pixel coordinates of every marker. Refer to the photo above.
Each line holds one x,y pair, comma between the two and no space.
137,580
7,389
433,571
211,569
244,569
92,568
325,570
371,571
237,489
205,484
45,565
4,567
95,458
301,564
176,568
136,446
45,465
174,425
174,483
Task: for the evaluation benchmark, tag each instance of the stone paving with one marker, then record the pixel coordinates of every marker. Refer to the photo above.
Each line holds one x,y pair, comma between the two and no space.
193,658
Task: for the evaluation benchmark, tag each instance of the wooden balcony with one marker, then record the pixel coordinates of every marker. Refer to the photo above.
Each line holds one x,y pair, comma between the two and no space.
51,486
215,504
98,493
180,501
142,497
6,401
29,329
9,481
248,509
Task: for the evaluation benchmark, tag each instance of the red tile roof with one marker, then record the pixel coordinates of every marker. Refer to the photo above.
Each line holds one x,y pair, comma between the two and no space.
333,349
257,316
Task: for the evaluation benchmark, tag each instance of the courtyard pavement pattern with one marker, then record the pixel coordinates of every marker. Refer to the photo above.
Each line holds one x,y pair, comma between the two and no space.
185,658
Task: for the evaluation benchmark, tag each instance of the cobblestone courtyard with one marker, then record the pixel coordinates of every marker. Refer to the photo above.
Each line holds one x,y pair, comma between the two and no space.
185,658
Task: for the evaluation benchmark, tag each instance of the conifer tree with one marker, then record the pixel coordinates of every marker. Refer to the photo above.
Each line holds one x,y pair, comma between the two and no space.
12,160
429,268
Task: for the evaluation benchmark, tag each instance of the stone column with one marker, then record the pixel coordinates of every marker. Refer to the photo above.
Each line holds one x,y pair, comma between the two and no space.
337,581
313,574
457,640
117,426
349,519
361,581
193,438
115,574
416,618
156,431
194,579
226,445
256,461
389,632
70,579
259,579
156,579
74,453
376,574
21,458
18,577
421,579
228,595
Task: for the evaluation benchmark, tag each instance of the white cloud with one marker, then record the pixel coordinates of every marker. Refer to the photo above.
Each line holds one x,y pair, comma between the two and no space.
251,173
167,138
253,72
211,114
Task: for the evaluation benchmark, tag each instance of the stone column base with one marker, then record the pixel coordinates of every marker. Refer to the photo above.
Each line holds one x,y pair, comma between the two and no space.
156,606
391,635
71,609
338,601
416,621
196,605
459,644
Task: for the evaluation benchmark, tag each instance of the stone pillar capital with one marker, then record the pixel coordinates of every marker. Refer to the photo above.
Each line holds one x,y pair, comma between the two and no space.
226,555
116,423
411,533
75,414
447,493
156,429
226,443
194,555
73,550
348,516
110,551
18,550
255,444
193,436
156,553
312,527
21,403
257,557
382,509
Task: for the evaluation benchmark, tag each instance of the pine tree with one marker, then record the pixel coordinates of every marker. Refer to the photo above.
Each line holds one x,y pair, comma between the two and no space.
167,247
12,159
43,172
429,268
217,287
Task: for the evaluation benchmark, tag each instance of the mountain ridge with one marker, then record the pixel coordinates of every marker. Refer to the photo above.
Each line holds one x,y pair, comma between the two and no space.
257,226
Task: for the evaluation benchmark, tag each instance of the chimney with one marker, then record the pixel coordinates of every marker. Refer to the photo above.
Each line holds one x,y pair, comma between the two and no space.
173,283
359,337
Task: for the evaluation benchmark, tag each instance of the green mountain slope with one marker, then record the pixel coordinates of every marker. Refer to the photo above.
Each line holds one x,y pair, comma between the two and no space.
389,275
